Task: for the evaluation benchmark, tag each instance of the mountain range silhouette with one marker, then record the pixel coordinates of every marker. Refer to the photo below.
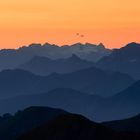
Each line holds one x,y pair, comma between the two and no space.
89,86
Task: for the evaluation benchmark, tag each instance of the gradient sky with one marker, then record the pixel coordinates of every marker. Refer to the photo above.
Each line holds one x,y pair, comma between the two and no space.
113,22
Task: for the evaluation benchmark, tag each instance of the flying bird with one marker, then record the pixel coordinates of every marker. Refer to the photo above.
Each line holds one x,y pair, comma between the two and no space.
80,35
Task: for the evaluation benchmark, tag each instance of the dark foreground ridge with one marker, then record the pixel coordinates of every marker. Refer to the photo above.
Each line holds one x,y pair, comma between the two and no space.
129,125
75,127
23,121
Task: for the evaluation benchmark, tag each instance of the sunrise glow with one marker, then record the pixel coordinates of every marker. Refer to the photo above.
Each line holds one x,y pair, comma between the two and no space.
115,23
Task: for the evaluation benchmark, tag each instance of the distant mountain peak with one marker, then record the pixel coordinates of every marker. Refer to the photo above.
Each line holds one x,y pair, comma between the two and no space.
74,57
89,44
132,44
101,45
76,44
34,45
46,44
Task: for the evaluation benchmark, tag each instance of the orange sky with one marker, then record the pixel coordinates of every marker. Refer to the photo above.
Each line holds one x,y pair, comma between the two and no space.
113,22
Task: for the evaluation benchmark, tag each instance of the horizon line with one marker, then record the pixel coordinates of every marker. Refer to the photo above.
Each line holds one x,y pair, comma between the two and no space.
70,44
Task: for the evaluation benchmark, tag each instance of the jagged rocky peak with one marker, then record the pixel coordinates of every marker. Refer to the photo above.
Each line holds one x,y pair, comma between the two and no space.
74,57
132,45
101,45
34,45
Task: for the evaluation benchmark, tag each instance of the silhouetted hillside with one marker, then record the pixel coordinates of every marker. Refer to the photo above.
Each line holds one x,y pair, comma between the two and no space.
23,121
45,66
67,99
126,60
43,123
91,80
94,81
75,127
18,82
129,125
12,58
123,105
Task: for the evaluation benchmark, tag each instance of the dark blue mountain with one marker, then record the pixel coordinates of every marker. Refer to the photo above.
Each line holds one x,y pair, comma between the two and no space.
12,126
123,105
12,58
18,82
45,66
126,60
43,123
94,81
75,127
91,80
67,99
126,125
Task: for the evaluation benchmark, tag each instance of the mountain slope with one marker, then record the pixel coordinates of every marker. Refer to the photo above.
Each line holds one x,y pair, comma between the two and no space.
126,60
18,82
129,125
91,80
94,81
23,121
75,127
90,52
123,105
67,99
45,66
12,58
